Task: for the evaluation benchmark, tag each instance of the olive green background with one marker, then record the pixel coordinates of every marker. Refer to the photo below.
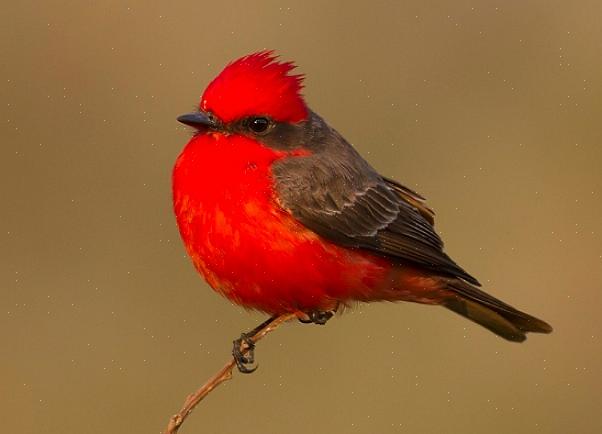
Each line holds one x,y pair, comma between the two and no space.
490,109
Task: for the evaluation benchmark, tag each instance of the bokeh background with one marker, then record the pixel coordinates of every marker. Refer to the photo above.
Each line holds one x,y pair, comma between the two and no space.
490,109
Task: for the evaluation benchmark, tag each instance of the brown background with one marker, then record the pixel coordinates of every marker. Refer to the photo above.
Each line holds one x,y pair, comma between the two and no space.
490,109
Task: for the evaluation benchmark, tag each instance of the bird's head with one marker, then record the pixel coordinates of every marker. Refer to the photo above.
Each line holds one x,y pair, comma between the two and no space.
256,95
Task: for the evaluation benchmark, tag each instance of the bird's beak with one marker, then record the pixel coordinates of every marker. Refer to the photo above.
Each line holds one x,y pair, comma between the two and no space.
197,120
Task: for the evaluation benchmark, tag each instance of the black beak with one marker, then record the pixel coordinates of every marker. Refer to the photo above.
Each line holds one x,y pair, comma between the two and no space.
197,120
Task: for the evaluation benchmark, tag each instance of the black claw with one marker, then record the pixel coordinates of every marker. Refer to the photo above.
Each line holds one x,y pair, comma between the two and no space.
322,317
317,317
244,360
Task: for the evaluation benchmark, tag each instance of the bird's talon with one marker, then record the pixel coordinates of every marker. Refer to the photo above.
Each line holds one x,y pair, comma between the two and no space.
242,368
243,360
317,317
322,317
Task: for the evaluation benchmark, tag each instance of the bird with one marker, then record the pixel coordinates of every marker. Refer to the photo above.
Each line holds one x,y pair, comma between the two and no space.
280,214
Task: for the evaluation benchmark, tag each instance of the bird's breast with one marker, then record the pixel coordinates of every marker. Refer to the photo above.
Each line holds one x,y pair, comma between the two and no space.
227,213
222,189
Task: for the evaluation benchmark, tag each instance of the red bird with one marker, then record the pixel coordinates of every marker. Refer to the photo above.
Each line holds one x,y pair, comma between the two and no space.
281,214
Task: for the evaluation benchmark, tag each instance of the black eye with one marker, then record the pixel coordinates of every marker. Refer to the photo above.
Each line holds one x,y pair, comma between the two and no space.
259,125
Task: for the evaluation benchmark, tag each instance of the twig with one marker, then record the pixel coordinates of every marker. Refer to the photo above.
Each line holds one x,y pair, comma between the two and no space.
222,375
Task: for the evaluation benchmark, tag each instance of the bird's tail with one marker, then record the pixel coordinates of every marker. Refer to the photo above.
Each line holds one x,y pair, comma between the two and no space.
493,314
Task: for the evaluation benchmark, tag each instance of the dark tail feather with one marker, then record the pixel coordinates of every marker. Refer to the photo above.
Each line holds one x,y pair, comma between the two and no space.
493,314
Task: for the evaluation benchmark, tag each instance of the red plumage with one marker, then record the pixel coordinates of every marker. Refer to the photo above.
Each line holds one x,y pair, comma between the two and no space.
253,85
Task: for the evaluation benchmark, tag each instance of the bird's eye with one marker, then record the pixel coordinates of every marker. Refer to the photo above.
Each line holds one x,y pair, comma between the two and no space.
259,124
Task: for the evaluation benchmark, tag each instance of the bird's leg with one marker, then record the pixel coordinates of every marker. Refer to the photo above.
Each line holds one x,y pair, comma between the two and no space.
245,342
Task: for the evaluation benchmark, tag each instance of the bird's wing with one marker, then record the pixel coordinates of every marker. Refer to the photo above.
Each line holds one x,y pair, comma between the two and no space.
344,200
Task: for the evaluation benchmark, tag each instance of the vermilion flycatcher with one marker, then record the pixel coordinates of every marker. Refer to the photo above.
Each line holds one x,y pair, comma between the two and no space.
280,213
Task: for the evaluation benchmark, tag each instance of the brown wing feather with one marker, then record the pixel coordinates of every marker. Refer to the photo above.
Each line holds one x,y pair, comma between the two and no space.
413,198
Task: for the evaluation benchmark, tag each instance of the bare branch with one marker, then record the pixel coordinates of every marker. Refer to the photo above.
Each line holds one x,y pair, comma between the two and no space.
222,375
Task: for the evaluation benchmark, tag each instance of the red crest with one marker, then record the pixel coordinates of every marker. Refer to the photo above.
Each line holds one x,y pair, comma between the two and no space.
257,84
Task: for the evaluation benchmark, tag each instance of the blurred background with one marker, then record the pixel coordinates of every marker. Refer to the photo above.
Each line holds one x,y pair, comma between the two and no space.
491,110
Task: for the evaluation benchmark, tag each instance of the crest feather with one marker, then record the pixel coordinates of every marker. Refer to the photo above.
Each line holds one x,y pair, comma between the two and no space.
256,84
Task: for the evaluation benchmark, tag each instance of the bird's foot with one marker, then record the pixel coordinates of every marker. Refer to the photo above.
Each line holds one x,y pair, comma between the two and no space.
244,359
317,317
243,349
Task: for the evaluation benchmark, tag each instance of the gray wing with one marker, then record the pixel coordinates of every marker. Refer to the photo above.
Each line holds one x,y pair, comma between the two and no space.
336,193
